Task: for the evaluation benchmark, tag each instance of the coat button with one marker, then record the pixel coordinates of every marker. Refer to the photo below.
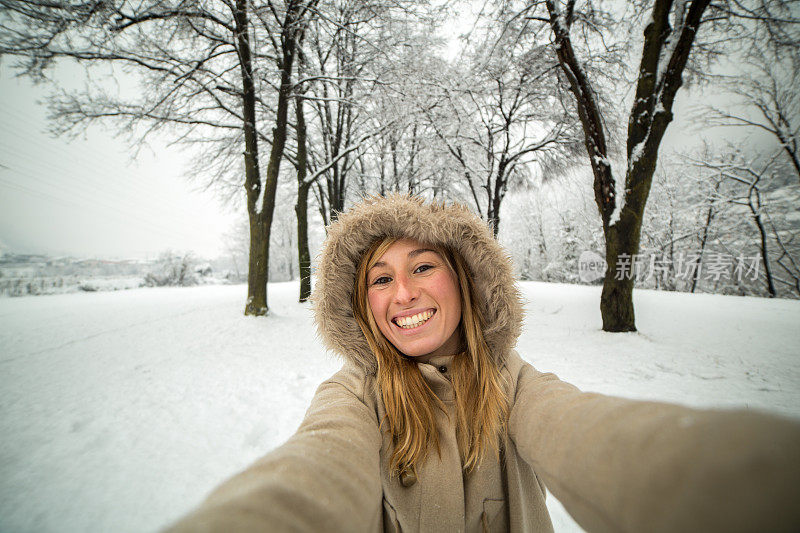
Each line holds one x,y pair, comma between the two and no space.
408,477
442,369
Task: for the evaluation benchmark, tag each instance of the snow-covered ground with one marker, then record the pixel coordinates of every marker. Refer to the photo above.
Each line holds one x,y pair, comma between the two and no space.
119,411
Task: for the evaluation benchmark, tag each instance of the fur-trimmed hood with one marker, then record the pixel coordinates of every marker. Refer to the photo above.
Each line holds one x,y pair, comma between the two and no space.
451,226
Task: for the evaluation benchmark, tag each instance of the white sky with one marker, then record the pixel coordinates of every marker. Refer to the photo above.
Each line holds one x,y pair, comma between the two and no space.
86,197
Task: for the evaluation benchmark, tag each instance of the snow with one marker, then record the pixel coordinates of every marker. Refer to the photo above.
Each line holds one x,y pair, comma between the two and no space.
636,152
668,48
620,197
121,410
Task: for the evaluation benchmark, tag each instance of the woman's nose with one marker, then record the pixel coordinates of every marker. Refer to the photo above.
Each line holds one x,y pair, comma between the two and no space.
406,291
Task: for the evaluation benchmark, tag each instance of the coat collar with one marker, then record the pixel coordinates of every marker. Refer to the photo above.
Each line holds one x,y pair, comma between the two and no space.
436,372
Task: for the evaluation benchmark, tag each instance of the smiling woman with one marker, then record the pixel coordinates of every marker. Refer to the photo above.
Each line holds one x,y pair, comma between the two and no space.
414,305
435,423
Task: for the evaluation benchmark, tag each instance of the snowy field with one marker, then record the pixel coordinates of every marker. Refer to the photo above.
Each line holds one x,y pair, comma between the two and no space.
119,411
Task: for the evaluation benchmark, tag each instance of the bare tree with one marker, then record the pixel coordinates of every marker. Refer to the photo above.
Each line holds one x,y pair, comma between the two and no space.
292,24
668,40
503,121
765,92
340,61
306,180
403,157
751,180
711,210
355,56
202,78
345,62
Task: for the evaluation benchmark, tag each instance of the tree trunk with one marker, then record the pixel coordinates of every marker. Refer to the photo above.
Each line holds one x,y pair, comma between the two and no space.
493,215
412,159
709,218
496,196
762,232
301,209
323,209
793,157
258,268
789,146
622,242
616,300
336,199
303,253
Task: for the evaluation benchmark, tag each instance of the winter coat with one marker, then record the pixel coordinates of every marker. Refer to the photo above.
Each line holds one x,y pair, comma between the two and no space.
615,464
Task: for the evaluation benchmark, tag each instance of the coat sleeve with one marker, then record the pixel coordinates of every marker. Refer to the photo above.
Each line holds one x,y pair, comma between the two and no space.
324,478
624,465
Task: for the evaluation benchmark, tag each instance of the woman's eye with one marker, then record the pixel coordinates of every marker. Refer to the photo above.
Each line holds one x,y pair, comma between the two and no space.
423,268
381,280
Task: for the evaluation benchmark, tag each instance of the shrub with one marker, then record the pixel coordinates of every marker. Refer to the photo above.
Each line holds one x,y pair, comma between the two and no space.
172,269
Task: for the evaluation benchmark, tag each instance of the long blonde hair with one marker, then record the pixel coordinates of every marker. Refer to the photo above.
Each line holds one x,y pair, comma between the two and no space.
480,399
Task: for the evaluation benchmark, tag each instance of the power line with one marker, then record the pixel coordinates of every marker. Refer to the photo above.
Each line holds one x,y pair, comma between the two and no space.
78,188
93,160
71,202
44,172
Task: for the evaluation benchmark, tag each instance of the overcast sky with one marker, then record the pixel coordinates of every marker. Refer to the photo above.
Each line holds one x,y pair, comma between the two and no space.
87,198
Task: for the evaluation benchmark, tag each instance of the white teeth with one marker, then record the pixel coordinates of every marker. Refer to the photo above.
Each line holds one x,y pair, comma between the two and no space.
408,322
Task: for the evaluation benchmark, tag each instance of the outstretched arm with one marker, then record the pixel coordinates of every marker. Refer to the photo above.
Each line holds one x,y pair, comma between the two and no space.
624,465
324,478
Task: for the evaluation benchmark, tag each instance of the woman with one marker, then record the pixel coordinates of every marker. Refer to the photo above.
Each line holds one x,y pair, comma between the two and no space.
434,423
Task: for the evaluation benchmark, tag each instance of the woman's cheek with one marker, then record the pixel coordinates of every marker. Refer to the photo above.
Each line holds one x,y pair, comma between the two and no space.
378,308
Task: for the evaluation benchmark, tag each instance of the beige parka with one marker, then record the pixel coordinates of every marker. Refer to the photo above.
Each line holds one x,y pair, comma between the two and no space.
615,464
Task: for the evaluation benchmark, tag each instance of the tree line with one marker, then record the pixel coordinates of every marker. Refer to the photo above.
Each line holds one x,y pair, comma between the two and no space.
346,98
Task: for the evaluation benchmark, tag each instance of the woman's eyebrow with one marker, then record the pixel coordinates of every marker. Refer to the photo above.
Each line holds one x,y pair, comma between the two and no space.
420,251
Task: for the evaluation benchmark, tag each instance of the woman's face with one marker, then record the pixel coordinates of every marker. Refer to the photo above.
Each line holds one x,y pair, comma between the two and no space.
415,300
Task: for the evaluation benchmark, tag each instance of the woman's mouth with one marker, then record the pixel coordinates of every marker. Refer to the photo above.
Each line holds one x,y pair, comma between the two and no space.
414,321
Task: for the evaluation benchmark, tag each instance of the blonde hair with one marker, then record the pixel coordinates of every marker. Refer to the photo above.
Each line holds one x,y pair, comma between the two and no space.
480,399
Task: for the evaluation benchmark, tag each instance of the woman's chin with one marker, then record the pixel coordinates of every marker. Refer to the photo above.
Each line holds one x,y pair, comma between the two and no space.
415,349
